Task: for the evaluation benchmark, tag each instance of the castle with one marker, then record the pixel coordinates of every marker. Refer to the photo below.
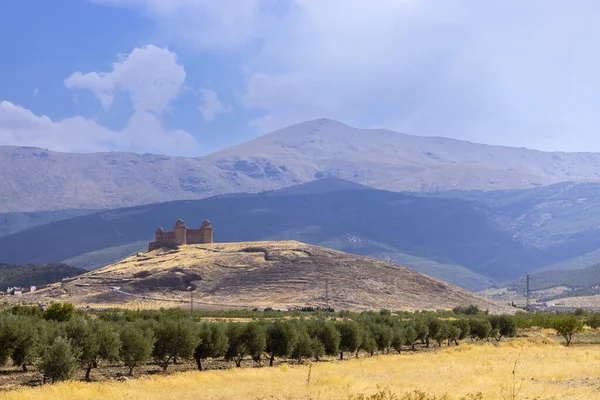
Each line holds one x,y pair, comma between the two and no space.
181,234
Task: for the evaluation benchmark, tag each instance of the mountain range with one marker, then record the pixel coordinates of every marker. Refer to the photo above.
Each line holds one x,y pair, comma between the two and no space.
467,213
41,180
469,238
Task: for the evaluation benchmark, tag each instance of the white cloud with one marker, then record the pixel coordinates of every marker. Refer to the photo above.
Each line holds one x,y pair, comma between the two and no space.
150,75
143,133
35,92
211,106
500,71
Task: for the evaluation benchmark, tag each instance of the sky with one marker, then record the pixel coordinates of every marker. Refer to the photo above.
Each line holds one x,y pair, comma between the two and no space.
189,77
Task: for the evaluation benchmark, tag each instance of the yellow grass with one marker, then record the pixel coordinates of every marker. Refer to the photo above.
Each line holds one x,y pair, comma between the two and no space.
547,371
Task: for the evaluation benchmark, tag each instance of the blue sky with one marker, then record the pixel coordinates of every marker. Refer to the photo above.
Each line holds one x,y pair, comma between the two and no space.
187,77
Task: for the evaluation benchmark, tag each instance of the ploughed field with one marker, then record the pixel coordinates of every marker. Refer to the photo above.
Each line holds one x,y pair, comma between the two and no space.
543,369
281,274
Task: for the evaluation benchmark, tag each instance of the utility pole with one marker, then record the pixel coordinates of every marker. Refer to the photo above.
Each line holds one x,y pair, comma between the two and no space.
327,292
527,303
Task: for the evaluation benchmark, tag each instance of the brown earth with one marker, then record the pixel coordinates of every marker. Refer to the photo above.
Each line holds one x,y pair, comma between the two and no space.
284,274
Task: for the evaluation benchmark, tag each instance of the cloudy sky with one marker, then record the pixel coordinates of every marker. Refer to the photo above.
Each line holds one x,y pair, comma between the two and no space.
187,77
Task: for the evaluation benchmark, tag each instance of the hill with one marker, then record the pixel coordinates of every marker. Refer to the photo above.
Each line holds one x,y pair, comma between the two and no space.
284,274
35,274
36,179
454,239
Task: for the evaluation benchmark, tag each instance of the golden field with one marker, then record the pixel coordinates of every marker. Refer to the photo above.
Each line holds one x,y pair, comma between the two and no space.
545,369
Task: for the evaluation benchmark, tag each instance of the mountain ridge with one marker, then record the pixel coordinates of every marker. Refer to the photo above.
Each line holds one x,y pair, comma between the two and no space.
41,180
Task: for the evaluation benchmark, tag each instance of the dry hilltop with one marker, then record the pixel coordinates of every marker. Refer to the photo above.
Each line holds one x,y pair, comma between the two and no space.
281,274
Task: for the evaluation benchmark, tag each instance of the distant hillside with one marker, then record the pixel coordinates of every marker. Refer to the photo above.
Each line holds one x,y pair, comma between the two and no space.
34,274
36,179
260,274
462,238
18,221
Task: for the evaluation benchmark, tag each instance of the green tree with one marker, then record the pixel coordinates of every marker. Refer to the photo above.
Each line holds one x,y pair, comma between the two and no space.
26,344
410,336
479,328
433,329
281,337
94,341
175,339
568,326
398,339
326,333
422,329
442,334
8,337
59,312
453,334
503,326
245,339
350,336
213,343
137,343
58,362
367,342
593,320
303,347
383,336
464,327
318,349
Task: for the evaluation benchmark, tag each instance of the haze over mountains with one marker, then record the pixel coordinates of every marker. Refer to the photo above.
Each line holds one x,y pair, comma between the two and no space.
35,179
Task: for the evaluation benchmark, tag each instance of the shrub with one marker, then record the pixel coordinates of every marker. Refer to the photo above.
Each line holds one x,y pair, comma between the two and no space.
213,343
398,339
59,312
58,362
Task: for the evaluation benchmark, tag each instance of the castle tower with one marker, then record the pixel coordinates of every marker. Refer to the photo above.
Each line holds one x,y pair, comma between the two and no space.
207,232
180,232
159,234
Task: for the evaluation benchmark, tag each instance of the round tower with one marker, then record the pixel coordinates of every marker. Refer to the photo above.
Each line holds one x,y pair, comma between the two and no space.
180,232
207,232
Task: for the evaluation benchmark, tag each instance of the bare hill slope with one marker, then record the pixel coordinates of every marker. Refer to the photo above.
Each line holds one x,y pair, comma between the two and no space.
35,179
259,274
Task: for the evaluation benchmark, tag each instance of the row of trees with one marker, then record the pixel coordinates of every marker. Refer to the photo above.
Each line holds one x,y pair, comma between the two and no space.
60,340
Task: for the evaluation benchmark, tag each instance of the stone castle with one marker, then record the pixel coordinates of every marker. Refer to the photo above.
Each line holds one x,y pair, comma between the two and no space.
181,234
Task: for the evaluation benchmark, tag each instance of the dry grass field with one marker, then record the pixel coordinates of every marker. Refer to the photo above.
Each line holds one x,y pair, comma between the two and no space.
544,369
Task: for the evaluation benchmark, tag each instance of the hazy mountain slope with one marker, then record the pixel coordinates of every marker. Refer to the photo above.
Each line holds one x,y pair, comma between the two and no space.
35,179
444,230
259,274
562,219
14,222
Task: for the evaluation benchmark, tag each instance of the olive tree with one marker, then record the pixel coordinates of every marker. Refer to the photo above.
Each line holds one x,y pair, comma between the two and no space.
175,339
58,361
137,342
281,338
350,336
567,326
213,343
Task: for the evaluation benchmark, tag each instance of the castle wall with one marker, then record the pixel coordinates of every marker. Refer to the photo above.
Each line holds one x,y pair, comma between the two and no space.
183,235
